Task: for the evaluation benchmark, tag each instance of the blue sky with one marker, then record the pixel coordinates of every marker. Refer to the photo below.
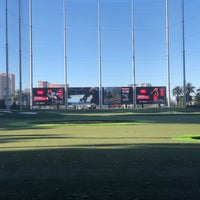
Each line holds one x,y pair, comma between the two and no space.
82,42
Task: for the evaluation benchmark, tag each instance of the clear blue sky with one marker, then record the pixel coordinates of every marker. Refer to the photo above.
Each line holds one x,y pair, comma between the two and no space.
82,42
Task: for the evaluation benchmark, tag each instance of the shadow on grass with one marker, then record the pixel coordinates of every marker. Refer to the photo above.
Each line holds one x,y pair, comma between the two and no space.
195,137
25,137
15,121
156,171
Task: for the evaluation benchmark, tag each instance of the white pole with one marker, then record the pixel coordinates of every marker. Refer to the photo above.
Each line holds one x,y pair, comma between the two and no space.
99,56
183,32
31,55
167,53
133,57
20,59
65,54
7,67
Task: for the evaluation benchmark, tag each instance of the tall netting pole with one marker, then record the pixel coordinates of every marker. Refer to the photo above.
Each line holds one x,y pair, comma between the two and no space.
167,54
183,37
31,55
65,54
7,67
99,56
20,59
133,57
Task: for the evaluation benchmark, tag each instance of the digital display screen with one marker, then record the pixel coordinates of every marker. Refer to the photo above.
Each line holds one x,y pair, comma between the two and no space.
117,95
48,96
151,95
81,95
126,95
111,95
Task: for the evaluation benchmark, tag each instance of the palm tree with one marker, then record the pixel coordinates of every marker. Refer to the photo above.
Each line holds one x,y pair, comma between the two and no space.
197,95
177,91
189,90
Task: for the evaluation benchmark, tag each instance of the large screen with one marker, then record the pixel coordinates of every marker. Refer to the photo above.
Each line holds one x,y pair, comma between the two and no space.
48,96
126,95
81,95
151,95
111,95
117,95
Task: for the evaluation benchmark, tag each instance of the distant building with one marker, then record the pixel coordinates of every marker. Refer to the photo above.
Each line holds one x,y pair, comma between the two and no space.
51,85
143,85
46,84
11,84
43,84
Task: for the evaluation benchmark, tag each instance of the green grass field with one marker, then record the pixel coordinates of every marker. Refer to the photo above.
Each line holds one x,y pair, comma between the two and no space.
109,154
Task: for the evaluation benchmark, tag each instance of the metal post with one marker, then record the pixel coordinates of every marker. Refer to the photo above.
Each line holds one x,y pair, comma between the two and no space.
7,67
183,32
133,57
99,56
65,54
20,59
31,55
167,53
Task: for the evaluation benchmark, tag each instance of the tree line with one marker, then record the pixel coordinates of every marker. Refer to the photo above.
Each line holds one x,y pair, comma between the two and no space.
192,94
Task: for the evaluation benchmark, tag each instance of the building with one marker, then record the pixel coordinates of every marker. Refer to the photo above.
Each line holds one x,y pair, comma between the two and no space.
144,85
51,85
43,84
46,84
11,84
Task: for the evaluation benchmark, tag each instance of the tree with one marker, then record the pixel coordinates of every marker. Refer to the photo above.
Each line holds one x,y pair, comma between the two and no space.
197,97
189,90
177,91
15,96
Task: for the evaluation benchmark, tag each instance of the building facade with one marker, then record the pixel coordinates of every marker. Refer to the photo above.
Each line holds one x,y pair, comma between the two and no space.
46,84
43,84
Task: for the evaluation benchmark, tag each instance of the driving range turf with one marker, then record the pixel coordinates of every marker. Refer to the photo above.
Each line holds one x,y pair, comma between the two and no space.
101,154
